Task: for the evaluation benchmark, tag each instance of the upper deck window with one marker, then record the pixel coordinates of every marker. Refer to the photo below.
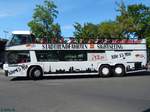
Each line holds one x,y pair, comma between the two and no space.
19,39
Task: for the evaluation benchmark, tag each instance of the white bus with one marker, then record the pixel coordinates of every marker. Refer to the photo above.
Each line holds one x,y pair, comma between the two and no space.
105,58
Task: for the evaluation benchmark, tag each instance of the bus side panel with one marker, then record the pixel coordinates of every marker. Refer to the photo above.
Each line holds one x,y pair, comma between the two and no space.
69,67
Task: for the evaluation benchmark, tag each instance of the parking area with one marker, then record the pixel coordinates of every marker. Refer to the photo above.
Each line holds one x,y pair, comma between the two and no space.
76,94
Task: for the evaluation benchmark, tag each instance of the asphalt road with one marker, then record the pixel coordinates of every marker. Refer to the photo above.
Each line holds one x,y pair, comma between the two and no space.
76,94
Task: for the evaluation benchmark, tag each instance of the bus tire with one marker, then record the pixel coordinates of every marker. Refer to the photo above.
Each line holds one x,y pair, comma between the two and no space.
35,73
119,70
105,71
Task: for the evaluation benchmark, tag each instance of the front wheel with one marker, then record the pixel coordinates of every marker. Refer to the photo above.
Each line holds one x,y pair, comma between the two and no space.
35,73
119,71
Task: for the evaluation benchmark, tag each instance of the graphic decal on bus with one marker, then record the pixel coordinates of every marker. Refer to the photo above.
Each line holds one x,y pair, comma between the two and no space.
64,46
97,57
110,46
81,46
18,69
139,56
72,70
121,55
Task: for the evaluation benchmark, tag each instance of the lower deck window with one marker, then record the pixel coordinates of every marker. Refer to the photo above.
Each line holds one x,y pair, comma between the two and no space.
73,56
54,56
47,56
15,57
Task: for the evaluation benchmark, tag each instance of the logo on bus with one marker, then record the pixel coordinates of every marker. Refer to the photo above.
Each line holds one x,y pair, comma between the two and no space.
110,46
82,46
64,46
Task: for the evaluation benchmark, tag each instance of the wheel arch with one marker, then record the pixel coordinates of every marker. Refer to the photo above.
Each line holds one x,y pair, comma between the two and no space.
120,64
100,65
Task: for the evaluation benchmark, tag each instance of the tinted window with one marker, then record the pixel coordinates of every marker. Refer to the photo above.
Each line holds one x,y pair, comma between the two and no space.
15,57
47,56
20,39
52,56
73,55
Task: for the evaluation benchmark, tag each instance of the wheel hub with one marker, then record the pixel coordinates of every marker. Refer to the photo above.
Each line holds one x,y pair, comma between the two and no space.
118,70
105,71
37,73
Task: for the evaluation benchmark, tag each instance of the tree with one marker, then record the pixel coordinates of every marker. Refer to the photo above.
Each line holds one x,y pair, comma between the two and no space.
88,30
78,33
141,16
134,20
109,30
43,24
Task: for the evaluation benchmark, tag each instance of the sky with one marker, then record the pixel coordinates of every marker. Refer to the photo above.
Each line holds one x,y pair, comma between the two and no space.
15,14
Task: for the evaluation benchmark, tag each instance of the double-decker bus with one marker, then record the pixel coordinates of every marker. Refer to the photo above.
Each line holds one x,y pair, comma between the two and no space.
105,58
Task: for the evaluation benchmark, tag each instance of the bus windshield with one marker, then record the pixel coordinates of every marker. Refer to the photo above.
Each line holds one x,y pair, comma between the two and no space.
19,39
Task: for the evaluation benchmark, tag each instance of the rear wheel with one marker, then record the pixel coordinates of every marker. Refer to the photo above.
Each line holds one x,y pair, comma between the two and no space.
119,71
35,73
105,71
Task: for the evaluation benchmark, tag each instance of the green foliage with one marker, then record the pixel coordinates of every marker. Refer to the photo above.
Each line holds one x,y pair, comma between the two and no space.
135,19
88,30
43,24
132,21
109,30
